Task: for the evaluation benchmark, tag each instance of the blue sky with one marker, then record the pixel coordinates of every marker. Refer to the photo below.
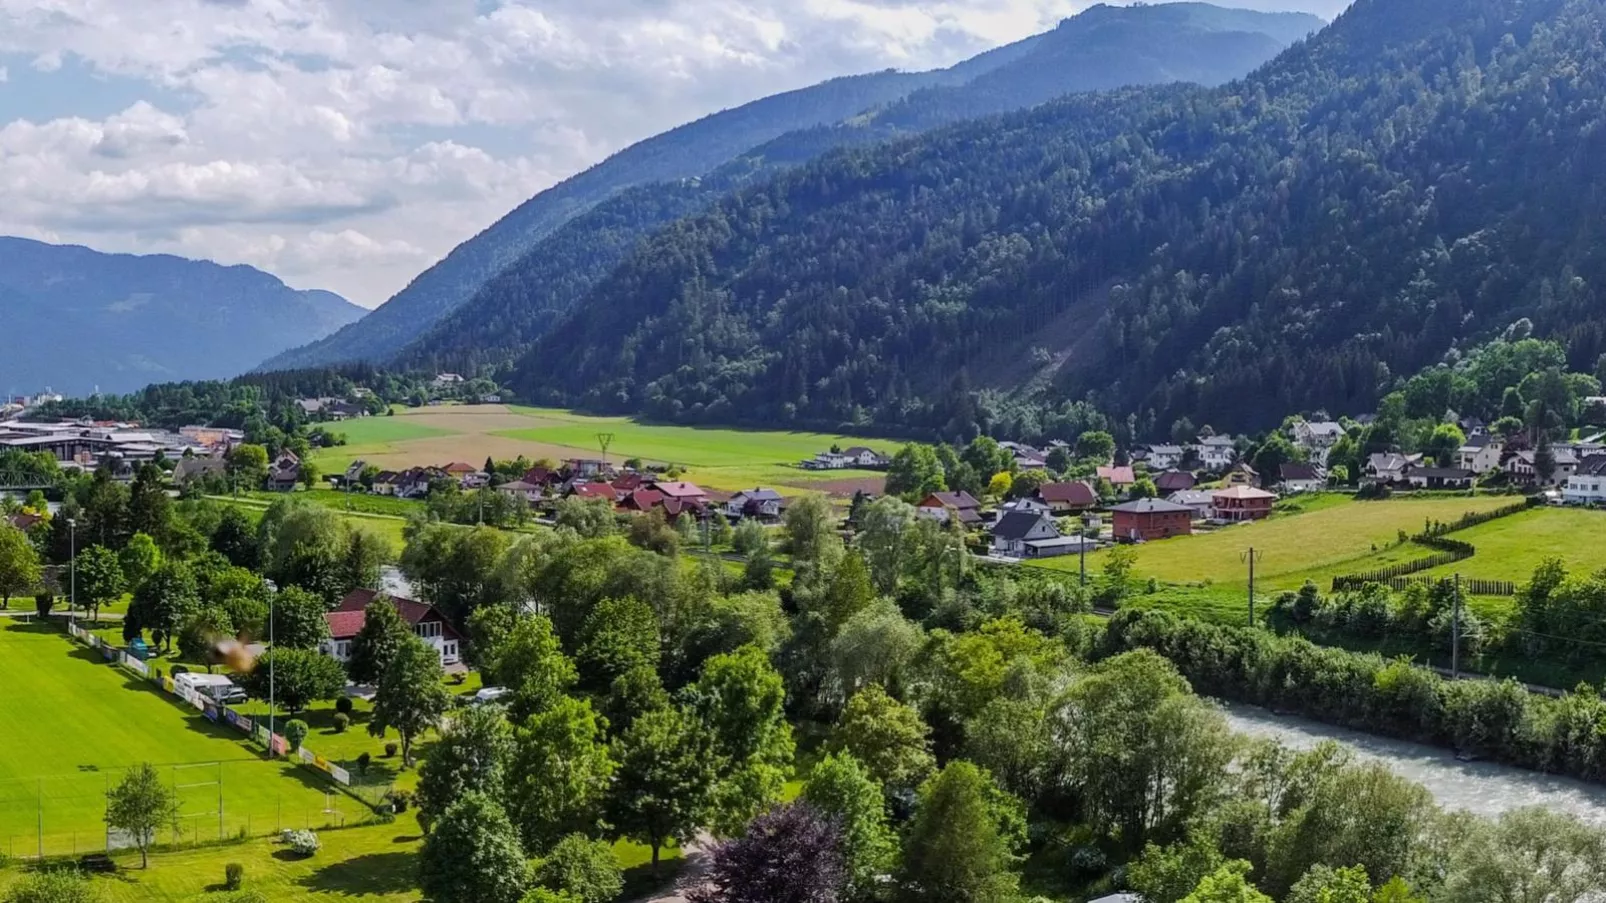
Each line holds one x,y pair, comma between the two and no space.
348,144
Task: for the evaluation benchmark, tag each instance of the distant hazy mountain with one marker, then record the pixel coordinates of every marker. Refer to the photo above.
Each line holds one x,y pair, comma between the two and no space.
74,318
681,171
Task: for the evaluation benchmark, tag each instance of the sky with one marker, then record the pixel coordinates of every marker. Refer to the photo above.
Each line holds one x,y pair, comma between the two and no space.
349,144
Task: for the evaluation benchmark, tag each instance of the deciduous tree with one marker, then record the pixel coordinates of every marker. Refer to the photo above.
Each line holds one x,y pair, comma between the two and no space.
411,696
141,805
473,853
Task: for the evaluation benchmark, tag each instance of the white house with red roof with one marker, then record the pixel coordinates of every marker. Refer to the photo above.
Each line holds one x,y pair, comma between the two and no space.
428,624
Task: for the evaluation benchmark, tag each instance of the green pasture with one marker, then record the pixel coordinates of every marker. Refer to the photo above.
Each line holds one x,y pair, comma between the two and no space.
371,864
1325,537
74,723
1509,548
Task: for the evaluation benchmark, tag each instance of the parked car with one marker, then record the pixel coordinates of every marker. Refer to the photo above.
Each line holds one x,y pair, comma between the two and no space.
490,695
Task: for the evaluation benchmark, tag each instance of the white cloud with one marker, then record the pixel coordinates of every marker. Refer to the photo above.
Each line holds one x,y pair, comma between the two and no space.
346,144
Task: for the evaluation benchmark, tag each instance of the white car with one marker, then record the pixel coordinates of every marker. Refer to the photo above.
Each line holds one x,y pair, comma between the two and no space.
490,695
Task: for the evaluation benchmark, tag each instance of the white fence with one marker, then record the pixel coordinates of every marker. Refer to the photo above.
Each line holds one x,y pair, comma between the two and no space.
213,710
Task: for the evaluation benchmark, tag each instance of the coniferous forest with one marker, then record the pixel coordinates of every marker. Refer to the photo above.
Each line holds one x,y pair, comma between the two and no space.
1410,180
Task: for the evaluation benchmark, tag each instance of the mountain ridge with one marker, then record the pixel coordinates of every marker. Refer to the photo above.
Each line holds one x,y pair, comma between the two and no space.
474,264
1285,242
1104,47
81,319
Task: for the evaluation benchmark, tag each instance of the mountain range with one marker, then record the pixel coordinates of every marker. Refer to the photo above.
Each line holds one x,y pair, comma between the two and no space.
501,290
77,320
1415,177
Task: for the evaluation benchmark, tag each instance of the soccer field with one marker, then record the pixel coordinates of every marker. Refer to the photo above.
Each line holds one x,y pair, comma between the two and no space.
70,725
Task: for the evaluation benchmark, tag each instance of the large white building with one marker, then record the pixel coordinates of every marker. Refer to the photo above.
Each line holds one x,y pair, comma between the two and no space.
428,624
1587,484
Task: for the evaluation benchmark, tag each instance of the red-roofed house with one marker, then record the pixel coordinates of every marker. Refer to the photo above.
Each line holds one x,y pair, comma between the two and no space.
642,500
595,491
1119,477
1242,503
1066,498
24,521
428,624
459,469
684,492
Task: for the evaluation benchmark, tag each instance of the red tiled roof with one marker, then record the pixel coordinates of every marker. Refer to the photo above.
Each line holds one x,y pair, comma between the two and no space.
643,499
349,614
460,467
24,521
1118,476
1175,481
1075,493
681,490
539,476
595,491
343,625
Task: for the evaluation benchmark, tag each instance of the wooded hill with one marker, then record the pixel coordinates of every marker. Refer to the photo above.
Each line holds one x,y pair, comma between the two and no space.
1420,173
499,291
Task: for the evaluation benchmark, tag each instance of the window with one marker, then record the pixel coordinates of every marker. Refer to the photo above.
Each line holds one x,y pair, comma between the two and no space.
429,630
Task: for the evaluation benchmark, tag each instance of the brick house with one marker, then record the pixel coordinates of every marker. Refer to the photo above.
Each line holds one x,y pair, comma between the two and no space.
1242,503
1144,520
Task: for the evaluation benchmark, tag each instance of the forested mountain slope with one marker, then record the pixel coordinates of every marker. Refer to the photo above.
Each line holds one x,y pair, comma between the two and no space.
75,318
685,152
1104,47
1421,172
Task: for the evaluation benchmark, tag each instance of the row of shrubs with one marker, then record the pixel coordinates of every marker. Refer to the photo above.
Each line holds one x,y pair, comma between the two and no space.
1496,720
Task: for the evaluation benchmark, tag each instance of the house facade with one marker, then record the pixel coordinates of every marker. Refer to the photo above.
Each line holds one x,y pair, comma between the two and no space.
518,490
1303,477
427,623
1145,520
937,505
1317,438
1587,485
1440,478
1016,529
1164,457
1242,503
1481,454
764,504
1067,498
1217,452
1387,467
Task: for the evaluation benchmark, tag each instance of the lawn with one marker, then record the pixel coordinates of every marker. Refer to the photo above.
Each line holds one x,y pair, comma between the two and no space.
1327,537
719,458
371,864
1509,548
389,526
72,724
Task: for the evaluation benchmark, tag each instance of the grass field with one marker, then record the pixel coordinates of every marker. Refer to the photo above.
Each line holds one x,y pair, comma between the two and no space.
1328,537
1509,548
72,724
389,526
718,458
370,864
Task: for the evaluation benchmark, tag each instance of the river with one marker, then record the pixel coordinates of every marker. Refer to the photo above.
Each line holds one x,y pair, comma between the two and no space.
1484,788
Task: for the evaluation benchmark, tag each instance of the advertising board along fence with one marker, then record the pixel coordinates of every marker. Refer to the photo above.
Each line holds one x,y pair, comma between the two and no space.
212,709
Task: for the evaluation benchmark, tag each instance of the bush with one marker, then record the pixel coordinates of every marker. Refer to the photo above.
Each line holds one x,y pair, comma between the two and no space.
54,886
584,868
233,876
343,706
303,843
362,763
342,721
295,731
390,749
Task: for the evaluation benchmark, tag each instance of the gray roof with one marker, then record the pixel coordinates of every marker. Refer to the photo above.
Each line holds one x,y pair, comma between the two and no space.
1152,506
758,495
1017,524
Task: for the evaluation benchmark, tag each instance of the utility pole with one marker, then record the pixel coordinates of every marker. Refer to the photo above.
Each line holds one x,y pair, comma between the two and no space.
1252,556
605,440
1455,631
72,545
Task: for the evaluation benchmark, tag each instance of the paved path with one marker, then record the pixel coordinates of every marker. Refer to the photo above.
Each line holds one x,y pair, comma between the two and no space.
696,856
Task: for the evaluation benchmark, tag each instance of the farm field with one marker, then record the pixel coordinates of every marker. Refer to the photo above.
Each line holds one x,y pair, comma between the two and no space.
369,864
1509,548
717,458
1326,539
73,724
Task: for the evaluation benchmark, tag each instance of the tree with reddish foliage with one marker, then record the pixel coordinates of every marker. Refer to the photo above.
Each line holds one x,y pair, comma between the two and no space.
790,854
